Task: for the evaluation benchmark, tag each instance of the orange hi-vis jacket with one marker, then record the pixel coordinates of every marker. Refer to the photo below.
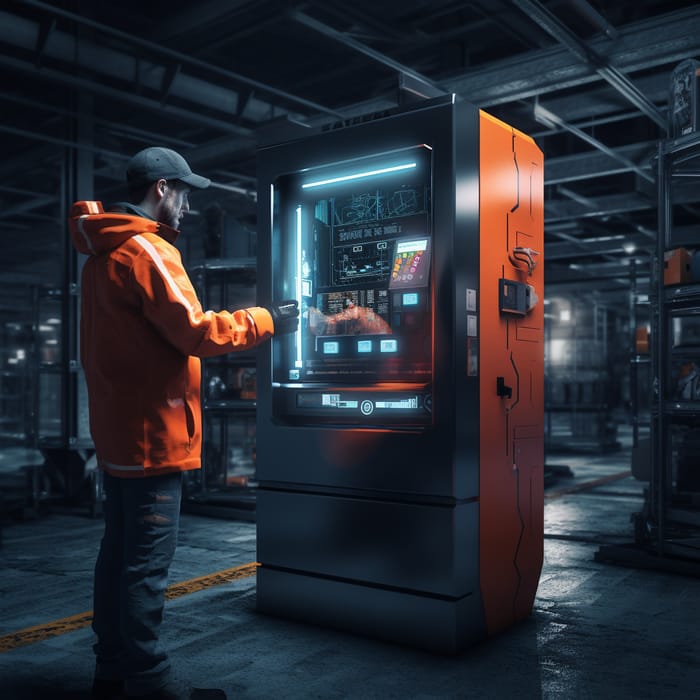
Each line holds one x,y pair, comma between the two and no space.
142,332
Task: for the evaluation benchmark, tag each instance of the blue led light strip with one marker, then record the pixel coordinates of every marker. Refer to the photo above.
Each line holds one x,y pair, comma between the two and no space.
358,176
298,362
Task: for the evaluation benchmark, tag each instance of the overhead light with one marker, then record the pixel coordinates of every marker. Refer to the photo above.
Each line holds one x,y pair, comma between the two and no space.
629,248
358,176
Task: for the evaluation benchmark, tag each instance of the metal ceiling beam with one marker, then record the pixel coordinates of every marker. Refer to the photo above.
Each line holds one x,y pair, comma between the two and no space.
45,30
351,43
592,204
560,210
594,17
363,24
122,157
674,36
36,202
148,47
561,33
584,166
117,128
567,278
547,118
196,16
603,104
11,165
97,88
568,250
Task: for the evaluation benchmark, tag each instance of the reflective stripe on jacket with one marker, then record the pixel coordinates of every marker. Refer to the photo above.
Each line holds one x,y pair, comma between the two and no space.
142,332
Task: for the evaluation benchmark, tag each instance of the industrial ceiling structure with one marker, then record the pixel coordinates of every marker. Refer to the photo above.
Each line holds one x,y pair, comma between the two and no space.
87,84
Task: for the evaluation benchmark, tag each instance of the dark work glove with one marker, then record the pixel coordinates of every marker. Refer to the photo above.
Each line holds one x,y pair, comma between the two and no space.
285,316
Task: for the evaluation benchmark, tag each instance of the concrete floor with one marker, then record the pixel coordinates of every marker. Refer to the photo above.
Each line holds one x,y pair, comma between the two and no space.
597,630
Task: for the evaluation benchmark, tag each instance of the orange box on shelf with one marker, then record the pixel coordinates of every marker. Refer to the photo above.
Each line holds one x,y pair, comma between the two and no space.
677,266
641,338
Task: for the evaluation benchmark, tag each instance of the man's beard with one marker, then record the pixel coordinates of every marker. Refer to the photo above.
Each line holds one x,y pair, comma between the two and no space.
168,214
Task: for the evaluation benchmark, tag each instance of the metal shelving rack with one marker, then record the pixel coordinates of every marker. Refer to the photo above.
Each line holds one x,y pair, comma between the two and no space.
673,511
226,484
639,363
667,530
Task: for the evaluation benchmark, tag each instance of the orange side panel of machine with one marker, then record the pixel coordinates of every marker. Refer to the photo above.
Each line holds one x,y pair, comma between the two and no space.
511,455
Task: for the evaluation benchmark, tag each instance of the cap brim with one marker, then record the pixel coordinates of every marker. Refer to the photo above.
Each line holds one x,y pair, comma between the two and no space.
197,181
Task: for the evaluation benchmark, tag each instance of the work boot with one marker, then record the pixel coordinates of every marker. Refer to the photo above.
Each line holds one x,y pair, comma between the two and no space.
107,690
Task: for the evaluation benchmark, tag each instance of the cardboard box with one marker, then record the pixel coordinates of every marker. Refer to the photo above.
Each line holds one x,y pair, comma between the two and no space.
677,266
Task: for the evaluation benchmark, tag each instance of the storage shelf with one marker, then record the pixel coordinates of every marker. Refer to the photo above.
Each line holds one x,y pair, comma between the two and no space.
682,408
674,524
684,294
225,485
682,350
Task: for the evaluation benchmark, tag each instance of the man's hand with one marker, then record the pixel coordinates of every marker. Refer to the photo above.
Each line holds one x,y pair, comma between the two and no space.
285,316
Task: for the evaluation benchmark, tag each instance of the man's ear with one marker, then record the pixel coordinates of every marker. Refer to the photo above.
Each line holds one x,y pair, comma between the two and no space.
160,187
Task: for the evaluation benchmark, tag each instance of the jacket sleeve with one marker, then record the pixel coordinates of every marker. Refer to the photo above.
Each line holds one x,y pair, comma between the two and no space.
170,303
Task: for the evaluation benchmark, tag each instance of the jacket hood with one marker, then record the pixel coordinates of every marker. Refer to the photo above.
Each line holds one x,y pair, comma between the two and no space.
94,231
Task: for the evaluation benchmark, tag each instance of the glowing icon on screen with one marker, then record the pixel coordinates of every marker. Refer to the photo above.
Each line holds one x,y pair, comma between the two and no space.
331,347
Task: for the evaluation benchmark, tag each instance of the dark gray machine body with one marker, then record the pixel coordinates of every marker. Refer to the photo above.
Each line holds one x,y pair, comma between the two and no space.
368,442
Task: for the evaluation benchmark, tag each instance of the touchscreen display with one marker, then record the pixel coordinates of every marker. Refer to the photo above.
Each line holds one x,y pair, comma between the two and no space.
354,246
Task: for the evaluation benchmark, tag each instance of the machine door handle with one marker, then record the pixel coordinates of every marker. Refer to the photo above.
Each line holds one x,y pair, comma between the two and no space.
502,389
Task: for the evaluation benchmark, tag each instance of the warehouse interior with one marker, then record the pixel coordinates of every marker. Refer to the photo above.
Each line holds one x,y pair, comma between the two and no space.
610,92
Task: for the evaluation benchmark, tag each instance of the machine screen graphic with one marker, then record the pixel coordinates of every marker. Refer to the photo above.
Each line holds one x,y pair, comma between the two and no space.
411,264
354,246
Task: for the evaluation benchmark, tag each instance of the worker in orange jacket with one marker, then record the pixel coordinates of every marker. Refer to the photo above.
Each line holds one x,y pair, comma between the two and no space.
143,331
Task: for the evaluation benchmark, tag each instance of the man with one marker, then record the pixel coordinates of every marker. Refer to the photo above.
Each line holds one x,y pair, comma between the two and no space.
143,331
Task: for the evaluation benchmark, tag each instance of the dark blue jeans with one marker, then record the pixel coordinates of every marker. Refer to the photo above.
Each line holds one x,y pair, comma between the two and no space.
141,523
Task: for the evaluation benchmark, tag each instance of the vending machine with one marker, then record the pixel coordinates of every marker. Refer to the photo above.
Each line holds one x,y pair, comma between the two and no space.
400,430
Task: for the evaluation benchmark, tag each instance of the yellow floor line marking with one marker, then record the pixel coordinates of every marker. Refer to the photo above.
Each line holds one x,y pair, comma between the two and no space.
549,495
38,633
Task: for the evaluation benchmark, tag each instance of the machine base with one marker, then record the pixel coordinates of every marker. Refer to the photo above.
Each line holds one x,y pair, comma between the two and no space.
426,622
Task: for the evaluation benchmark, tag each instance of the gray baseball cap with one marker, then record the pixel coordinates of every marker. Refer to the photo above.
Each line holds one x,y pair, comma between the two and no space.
157,163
